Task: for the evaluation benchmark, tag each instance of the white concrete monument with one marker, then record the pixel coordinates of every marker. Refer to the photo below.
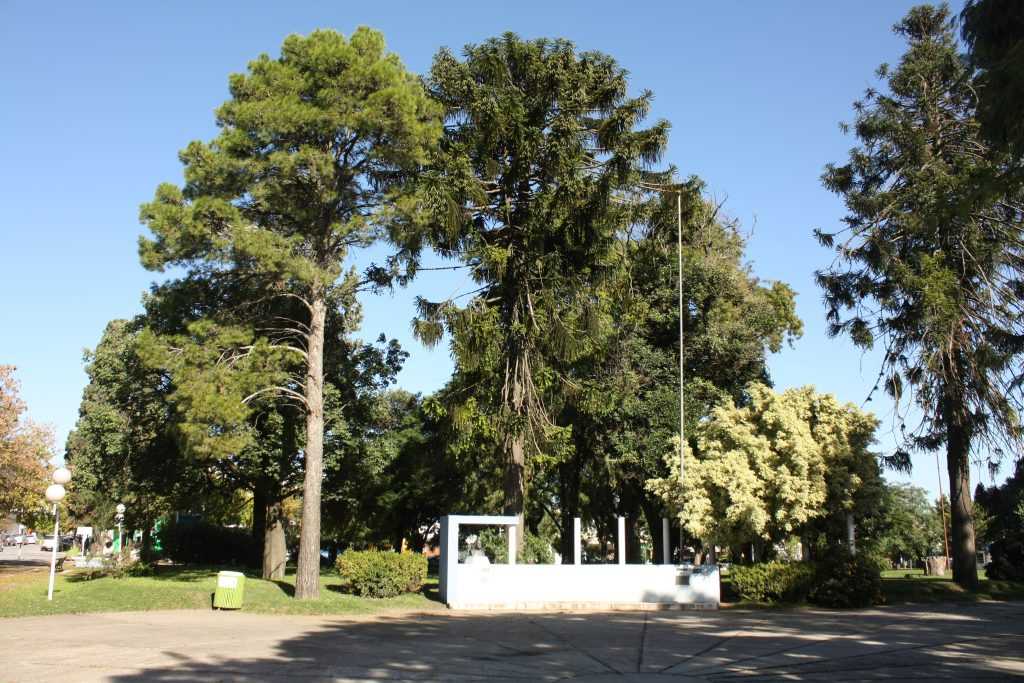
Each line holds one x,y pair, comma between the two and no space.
478,585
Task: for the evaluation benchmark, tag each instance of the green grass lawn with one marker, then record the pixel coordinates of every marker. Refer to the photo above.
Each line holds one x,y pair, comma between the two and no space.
24,594
911,585
188,588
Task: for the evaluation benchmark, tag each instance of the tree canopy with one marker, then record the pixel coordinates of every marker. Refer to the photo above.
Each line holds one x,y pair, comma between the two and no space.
314,150
929,263
25,448
541,152
763,471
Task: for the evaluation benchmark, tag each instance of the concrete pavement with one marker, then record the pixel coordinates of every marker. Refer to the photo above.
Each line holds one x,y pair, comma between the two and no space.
967,642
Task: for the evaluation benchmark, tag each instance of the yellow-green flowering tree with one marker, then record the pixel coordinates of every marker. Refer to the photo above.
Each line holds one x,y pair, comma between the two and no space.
763,471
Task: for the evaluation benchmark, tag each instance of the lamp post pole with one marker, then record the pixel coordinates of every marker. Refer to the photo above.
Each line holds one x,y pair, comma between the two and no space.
55,493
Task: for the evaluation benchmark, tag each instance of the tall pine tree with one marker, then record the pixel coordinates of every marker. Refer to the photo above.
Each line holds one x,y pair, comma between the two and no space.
314,145
929,265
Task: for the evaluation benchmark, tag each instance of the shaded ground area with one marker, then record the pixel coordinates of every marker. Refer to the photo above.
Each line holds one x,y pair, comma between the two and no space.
968,642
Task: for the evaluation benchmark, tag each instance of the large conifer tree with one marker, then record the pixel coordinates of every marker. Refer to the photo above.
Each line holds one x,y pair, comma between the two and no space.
929,265
313,146
540,140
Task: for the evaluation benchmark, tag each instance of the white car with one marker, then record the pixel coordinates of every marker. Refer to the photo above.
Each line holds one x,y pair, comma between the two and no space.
30,538
47,543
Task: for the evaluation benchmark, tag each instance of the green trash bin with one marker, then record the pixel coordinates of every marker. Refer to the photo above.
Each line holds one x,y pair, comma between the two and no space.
230,590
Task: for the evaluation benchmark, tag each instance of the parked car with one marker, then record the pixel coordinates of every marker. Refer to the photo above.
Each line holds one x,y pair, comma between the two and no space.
16,539
30,538
47,542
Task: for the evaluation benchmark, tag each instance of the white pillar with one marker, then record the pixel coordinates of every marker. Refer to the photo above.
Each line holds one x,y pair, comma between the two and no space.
622,540
449,557
666,549
577,542
511,544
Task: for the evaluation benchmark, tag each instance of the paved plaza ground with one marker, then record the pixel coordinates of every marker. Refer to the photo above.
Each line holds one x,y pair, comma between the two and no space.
966,642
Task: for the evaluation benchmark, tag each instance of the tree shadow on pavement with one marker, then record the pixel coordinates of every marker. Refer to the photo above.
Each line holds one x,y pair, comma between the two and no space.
967,642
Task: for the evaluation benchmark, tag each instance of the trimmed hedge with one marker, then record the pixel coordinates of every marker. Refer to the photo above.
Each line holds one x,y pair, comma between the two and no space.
382,573
773,581
842,580
845,580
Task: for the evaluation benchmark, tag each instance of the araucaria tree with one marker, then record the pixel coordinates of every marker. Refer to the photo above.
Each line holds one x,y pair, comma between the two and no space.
540,139
315,147
929,265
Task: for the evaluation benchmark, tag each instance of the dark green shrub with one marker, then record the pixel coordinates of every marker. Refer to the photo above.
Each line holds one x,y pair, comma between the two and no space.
382,573
844,580
1007,560
773,581
202,543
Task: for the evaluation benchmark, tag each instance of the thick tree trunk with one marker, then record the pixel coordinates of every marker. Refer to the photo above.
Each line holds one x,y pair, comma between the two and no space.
569,496
259,523
958,446
807,548
711,553
307,577
630,507
275,552
965,561
515,459
515,470
652,514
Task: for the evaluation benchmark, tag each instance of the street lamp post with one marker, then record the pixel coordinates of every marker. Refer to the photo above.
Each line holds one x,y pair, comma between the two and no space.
120,520
55,493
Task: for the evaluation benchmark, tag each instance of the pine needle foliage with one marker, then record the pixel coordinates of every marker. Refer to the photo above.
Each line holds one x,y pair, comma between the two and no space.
540,158
315,150
929,265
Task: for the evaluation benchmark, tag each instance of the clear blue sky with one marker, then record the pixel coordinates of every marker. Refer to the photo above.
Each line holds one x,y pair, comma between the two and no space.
99,98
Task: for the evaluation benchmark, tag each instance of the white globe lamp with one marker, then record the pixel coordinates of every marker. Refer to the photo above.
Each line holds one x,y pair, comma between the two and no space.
55,493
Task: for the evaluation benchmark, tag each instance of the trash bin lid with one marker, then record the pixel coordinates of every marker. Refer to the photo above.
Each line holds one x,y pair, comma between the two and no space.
229,579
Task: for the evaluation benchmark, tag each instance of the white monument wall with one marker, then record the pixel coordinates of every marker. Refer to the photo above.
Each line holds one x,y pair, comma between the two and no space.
567,586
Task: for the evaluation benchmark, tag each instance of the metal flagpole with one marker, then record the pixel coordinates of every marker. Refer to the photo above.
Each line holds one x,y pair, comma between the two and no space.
682,408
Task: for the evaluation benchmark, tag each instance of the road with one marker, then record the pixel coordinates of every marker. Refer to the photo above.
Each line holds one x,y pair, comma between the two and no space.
31,558
966,642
